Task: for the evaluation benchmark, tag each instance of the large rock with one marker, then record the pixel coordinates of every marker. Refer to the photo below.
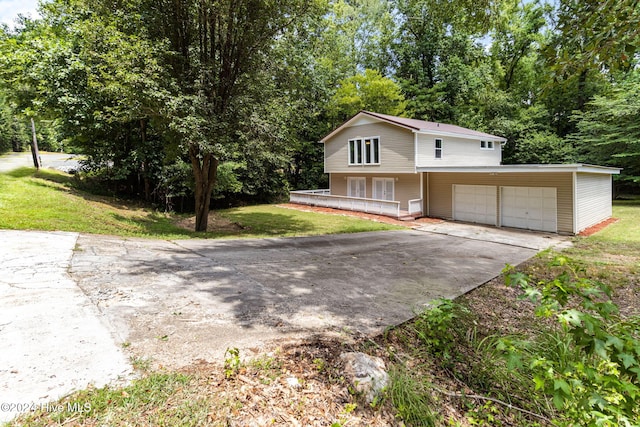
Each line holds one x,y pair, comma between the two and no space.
366,373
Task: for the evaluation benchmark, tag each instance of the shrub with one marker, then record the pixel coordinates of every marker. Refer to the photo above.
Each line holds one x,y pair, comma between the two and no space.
589,366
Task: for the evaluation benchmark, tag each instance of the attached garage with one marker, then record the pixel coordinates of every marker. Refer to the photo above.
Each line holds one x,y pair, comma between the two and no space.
554,198
532,208
475,203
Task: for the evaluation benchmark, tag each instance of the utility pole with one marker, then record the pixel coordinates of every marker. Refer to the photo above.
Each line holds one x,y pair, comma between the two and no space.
34,147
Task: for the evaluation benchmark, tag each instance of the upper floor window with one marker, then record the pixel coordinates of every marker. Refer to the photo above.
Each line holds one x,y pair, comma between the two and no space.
364,151
486,145
438,148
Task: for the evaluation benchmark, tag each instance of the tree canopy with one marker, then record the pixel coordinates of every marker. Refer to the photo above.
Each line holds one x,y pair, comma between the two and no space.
170,99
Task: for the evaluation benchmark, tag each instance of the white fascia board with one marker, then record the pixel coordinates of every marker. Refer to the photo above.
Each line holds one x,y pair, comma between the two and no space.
354,119
461,135
523,169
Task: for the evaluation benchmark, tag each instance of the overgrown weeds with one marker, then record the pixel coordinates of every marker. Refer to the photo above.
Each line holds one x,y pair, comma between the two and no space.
578,365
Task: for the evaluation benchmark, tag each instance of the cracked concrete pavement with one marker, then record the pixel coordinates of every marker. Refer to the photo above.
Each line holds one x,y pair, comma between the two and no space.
53,338
69,304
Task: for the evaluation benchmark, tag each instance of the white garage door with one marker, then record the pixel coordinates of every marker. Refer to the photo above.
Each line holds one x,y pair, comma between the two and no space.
533,208
475,203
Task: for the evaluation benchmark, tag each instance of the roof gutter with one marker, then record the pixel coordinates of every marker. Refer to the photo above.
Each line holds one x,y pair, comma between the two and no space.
546,168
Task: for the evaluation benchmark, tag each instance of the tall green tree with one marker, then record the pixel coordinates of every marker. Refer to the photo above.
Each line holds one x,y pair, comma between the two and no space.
219,47
440,63
608,132
366,91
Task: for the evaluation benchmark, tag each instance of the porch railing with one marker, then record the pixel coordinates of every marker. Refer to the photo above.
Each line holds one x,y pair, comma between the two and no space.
323,198
415,206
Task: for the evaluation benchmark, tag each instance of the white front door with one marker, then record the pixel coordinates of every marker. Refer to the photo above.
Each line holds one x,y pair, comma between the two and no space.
356,187
383,188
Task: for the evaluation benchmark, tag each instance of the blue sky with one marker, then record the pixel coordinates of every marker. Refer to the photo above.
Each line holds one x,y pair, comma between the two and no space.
9,10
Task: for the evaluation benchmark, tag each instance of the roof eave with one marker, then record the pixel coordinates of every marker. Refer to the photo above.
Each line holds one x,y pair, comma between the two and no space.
541,168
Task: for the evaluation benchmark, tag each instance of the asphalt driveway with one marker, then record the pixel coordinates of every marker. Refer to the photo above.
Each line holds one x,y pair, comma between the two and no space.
75,308
189,299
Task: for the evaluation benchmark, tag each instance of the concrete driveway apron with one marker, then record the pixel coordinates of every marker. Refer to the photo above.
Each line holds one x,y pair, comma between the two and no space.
191,299
52,337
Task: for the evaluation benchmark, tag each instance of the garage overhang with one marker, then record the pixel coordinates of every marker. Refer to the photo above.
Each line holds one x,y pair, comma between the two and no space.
576,167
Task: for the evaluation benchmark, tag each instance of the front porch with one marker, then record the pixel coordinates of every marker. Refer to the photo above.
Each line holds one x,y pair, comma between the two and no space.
390,208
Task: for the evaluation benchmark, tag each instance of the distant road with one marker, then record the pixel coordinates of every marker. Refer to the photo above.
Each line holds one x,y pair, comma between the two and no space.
60,161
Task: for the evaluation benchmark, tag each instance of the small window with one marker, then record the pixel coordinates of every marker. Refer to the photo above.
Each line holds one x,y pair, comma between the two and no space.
438,148
486,145
364,151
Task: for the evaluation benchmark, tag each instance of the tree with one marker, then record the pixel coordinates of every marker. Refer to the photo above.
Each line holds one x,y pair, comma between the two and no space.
366,91
219,47
440,64
608,132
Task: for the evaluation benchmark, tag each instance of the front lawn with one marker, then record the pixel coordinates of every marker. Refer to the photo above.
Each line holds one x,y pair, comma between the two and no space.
50,200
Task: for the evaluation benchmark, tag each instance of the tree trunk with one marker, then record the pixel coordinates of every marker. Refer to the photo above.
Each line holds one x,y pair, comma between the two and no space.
35,153
205,171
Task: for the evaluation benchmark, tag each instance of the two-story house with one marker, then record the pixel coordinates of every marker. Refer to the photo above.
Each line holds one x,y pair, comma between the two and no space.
407,168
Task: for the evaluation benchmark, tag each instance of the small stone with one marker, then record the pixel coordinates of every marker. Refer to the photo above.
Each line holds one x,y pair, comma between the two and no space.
293,382
366,373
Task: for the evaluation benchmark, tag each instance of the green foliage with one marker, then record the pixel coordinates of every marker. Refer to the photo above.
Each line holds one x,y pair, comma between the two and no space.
608,132
367,91
411,398
435,327
232,362
590,365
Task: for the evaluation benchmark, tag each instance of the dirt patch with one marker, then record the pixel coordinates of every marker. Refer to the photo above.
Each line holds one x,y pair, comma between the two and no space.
372,217
299,383
216,223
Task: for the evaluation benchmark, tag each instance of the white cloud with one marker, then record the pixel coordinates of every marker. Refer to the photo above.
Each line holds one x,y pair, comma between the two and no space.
10,9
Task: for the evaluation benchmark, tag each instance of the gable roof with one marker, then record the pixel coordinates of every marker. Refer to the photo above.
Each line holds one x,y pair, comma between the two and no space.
420,126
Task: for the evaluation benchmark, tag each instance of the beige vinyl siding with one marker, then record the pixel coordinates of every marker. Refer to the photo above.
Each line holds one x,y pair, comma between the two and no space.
396,150
440,184
406,187
593,195
456,152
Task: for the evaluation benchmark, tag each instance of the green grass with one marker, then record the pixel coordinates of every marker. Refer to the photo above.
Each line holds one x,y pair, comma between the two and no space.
160,399
617,246
273,221
627,229
49,200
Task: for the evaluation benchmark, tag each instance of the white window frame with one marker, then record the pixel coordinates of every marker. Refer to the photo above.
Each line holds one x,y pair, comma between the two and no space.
362,179
364,151
438,150
486,145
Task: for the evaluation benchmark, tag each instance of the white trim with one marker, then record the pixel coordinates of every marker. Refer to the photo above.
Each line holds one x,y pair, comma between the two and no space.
415,151
523,169
362,144
436,149
574,200
355,118
487,143
459,135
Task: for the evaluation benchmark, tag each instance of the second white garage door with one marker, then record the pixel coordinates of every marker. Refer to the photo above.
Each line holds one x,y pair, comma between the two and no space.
475,203
533,208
